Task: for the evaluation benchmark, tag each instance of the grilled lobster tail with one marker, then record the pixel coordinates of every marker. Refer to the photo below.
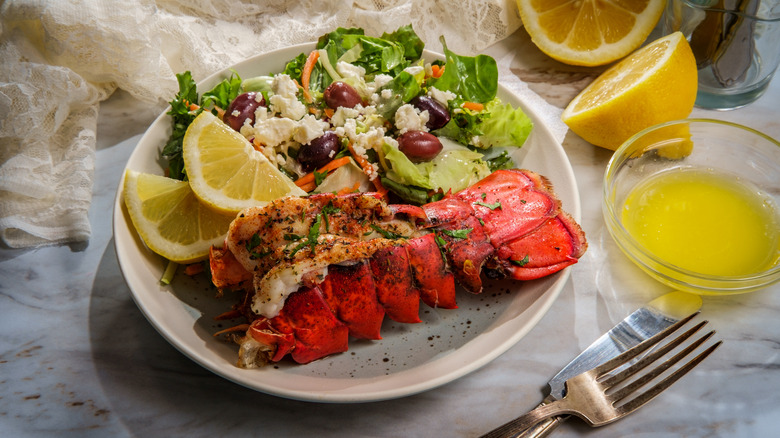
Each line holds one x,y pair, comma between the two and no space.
320,269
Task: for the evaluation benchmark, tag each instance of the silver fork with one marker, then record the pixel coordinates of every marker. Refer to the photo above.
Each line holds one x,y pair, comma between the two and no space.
598,397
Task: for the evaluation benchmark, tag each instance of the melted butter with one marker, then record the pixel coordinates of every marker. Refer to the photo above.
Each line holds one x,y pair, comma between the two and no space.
704,222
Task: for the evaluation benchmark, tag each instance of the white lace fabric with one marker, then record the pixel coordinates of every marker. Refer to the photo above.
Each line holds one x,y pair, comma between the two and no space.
60,59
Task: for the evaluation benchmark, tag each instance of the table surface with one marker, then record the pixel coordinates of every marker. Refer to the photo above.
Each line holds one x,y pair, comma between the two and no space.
77,357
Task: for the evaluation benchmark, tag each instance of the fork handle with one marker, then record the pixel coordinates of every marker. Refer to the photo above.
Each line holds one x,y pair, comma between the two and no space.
544,428
516,427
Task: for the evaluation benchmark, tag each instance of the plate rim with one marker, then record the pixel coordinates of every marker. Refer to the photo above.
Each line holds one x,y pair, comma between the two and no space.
229,371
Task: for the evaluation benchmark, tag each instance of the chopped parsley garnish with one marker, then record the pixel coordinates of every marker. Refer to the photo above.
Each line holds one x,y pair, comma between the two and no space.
326,210
492,206
522,262
457,234
387,234
253,242
442,246
319,177
311,238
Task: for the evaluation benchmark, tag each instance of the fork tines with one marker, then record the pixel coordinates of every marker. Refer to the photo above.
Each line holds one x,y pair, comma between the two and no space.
610,374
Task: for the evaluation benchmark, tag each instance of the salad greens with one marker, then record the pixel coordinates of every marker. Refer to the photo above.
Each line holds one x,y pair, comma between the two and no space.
182,114
474,78
388,74
181,117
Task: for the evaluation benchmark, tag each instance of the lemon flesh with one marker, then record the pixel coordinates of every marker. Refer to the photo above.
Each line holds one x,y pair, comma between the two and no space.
170,219
226,172
589,32
655,84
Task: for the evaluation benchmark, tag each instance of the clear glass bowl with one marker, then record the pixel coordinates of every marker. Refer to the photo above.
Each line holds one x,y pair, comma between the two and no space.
710,145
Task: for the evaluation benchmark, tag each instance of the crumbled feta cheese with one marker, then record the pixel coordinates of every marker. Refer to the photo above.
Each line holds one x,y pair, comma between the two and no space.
387,93
350,129
261,113
409,118
379,81
348,70
414,69
284,100
443,97
308,129
284,85
289,107
235,113
342,114
272,132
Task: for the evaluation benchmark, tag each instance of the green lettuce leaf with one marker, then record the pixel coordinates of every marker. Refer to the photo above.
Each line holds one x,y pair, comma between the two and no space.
389,54
223,93
181,118
404,87
506,126
499,124
408,39
294,67
404,171
455,168
475,78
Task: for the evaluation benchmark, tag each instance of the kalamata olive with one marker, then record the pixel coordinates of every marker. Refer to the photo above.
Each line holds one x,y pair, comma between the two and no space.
241,108
341,94
419,146
319,151
438,115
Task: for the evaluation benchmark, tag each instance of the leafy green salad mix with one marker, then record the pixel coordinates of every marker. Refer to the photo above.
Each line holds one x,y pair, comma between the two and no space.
366,113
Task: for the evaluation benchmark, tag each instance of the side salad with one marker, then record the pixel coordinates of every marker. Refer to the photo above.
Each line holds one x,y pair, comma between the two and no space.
365,113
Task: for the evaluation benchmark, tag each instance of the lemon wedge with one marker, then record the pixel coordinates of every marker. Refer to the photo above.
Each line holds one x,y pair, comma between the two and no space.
655,84
170,219
226,172
589,32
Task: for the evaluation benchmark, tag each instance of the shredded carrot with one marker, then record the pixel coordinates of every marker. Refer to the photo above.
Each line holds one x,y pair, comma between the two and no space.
437,71
309,186
347,190
190,106
308,67
193,269
368,169
237,328
329,112
309,177
474,106
230,314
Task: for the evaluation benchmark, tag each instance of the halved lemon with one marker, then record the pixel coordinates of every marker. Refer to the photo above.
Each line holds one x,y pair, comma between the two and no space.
589,32
170,219
655,84
226,172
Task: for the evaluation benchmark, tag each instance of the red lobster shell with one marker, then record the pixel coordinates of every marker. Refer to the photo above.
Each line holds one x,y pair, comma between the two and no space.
320,269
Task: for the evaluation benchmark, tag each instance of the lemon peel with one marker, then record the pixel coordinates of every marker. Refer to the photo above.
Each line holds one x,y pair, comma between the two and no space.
589,32
226,172
170,219
655,84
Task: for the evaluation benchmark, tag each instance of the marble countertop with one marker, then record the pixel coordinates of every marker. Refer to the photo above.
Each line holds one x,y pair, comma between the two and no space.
78,358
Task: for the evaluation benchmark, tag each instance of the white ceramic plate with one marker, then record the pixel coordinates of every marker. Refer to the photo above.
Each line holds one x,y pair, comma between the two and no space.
409,359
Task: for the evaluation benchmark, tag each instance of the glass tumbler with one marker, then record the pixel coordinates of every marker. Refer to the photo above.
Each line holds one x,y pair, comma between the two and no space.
736,44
